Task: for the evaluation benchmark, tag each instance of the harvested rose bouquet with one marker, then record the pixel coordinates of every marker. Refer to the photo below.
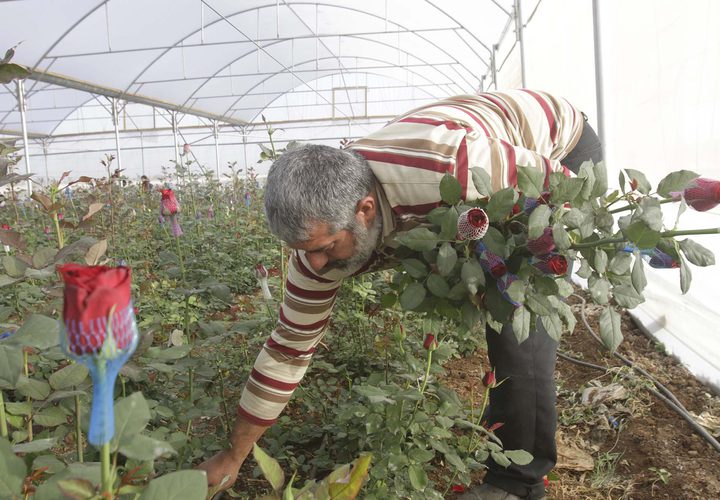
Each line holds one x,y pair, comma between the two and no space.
504,258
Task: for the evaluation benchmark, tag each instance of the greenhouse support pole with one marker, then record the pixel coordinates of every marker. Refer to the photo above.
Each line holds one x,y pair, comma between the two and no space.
142,153
493,66
598,72
21,105
45,153
173,115
244,135
116,124
216,133
517,13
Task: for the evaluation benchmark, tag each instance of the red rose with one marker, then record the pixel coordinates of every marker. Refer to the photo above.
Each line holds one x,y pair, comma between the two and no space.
542,245
92,294
558,264
702,194
498,270
633,184
546,481
458,488
473,224
6,227
430,343
168,203
516,209
489,379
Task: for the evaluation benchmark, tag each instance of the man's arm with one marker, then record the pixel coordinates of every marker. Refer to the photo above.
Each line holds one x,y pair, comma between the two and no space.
280,365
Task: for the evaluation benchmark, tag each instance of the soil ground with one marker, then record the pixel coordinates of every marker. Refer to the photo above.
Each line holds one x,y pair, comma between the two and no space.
631,445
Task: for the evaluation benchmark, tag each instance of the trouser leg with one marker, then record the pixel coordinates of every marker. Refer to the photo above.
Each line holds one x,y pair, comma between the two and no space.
588,147
525,404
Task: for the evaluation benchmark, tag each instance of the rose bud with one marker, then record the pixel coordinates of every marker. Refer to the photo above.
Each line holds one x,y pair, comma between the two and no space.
660,260
542,245
473,224
546,481
6,227
498,270
100,332
186,148
516,209
701,194
458,488
430,343
168,203
550,264
489,379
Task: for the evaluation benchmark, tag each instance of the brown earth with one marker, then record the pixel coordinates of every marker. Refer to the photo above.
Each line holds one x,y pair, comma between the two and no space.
633,447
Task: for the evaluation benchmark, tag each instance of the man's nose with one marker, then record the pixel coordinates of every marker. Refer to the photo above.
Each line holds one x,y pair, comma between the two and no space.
317,260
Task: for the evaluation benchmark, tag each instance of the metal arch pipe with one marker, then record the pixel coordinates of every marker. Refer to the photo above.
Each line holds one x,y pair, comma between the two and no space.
517,14
599,93
23,124
134,82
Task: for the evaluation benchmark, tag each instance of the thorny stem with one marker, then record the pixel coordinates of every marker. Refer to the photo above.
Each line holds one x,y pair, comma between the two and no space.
29,399
3,418
631,206
78,429
665,234
106,479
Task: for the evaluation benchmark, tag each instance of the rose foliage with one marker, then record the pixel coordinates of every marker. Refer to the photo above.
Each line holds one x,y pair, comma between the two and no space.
514,270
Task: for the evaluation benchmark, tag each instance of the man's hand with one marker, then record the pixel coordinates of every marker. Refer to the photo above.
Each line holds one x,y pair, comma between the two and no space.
228,462
221,465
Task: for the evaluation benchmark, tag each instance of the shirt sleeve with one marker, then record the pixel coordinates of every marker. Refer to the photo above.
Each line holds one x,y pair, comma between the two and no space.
286,355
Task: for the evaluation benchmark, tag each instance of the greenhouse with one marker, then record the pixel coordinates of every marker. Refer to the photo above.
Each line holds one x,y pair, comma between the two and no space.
385,249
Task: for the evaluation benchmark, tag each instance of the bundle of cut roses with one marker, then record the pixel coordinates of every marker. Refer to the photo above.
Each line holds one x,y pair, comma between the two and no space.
505,257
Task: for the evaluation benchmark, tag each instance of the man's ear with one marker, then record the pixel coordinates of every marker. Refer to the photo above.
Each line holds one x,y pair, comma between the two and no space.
366,209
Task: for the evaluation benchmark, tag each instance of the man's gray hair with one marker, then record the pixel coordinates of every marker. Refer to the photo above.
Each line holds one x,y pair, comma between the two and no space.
312,184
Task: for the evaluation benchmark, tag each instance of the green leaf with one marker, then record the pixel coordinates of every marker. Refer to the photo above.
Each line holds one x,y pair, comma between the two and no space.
642,183
35,445
49,490
585,270
142,447
539,220
685,276
516,291
539,304
420,456
600,262
610,331
14,266
420,239
349,489
530,181
601,180
454,460
415,268
640,234
620,264
675,181
626,296
599,290
696,253
500,204
448,225
567,315
437,215
638,273
43,257
586,172
650,213
621,181
169,354
470,314
545,285
521,323
574,218
412,296
560,236
180,485
450,189
33,388
132,415
495,241
472,275
447,258
11,365
519,457
72,374
482,181
553,326
50,417
437,286
500,458
50,461
418,477
38,331
270,468
563,188
23,408
77,489
12,471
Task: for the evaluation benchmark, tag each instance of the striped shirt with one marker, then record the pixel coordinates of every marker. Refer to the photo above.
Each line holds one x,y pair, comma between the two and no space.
409,156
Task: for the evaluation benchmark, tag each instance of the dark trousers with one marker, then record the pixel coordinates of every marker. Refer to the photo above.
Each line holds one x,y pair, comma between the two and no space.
525,401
